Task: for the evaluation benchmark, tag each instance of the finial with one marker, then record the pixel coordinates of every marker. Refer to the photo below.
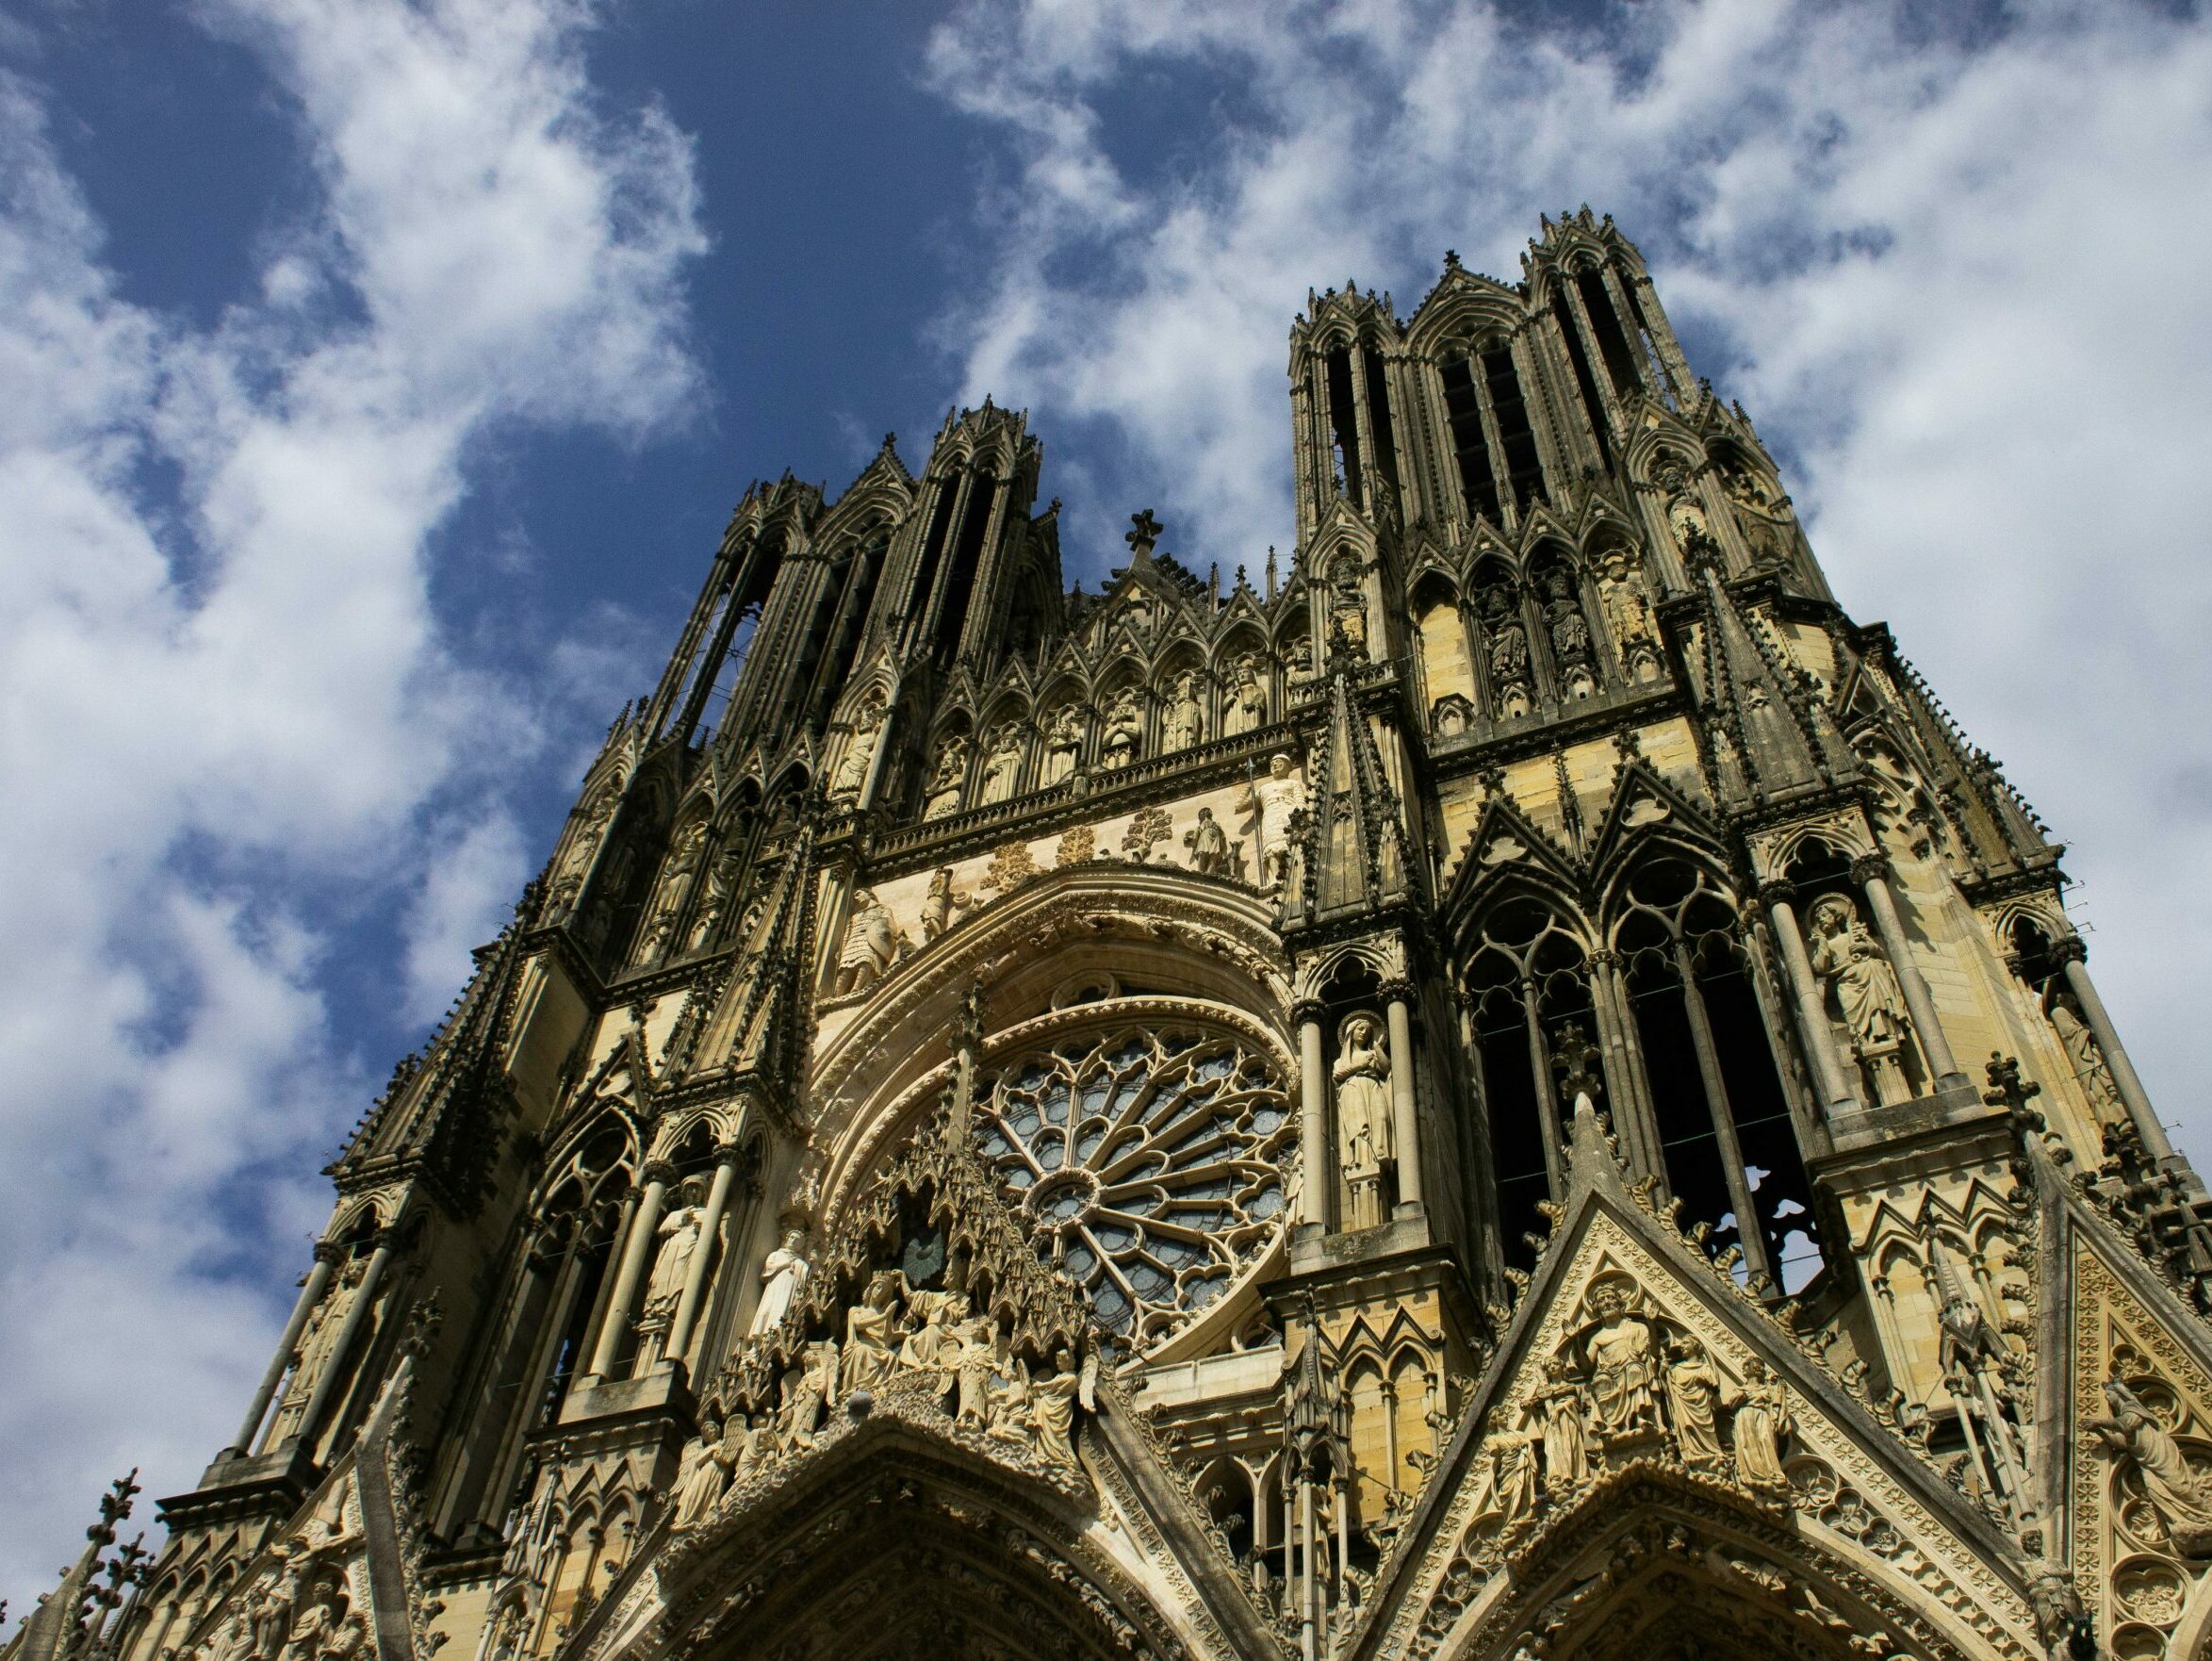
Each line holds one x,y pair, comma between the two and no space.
1451,259
1144,531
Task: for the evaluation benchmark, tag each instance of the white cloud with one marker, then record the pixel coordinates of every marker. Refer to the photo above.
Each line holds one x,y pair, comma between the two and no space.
225,702
1951,265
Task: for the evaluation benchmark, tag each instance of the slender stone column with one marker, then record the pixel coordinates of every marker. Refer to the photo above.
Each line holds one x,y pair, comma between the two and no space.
1723,1118
1870,873
1632,1115
326,1261
1314,1141
2132,1093
1546,1101
635,1248
702,1258
1813,1016
1404,1121
341,1353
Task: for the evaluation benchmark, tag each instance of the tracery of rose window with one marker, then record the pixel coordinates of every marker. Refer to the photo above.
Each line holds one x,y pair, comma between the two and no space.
1145,1163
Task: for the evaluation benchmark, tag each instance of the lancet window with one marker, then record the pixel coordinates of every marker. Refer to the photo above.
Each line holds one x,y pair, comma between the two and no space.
1492,435
1146,1163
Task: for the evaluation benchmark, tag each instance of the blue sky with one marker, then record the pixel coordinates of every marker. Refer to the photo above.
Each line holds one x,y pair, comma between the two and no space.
380,375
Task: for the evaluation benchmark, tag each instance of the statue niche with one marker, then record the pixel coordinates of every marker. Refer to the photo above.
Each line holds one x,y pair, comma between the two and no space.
1363,1130
1861,986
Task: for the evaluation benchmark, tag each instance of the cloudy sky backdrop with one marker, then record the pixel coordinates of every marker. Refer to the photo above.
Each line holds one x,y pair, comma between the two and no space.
376,377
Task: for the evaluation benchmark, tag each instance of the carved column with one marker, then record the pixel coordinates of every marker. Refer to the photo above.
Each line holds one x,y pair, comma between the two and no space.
636,1246
326,1262
341,1353
1870,872
702,1258
1813,1016
1404,1120
1723,1118
1314,1139
1547,1102
1631,1109
2132,1095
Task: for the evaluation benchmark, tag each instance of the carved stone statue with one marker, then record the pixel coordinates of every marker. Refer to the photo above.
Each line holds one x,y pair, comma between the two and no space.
305,1643
1124,730
1209,845
783,1276
684,858
1693,1399
1002,769
946,779
1274,800
1513,1484
1064,743
1248,698
1508,647
346,1640
704,1474
1348,618
679,1235
1559,1407
1051,1410
270,1615
977,1358
851,777
1762,1420
1570,636
1185,722
1624,1363
871,944
1849,960
943,906
2135,1437
721,877
1362,1078
583,847
933,1345
318,1348
2089,1069
870,1325
806,1389
1010,1403
1628,614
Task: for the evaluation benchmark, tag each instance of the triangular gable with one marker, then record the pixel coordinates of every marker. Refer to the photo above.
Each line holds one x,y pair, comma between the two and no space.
1879,1517
1506,842
1645,803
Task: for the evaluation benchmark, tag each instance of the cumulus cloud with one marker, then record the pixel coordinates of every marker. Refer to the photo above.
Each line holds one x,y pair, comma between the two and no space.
1947,262
228,711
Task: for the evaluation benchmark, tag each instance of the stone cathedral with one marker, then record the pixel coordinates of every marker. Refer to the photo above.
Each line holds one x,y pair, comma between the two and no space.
1509,1086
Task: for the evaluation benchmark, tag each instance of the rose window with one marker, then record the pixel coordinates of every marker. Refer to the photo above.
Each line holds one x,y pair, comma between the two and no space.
1144,1163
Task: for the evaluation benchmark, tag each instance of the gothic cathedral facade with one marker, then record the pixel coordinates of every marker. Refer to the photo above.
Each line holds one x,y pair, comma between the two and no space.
1513,1088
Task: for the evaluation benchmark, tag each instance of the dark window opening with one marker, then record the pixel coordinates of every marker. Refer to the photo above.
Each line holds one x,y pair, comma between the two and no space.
1584,378
1613,344
726,672
568,1350
1344,425
1379,420
1524,473
940,518
1650,342
1696,1172
1780,1190
859,586
959,582
1476,483
1516,1127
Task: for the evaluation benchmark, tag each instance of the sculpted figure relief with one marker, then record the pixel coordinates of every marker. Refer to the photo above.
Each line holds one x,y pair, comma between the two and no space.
1693,1401
2089,1069
1052,1411
807,1388
584,846
1849,961
1507,644
1362,1077
2135,1437
1124,729
1002,770
318,1348
1064,743
1624,1362
871,944
783,1276
1762,1420
870,1325
1348,617
859,753
704,1475
1274,800
1248,698
1628,614
946,779
1559,1405
1209,845
1185,722
679,1235
684,858
941,909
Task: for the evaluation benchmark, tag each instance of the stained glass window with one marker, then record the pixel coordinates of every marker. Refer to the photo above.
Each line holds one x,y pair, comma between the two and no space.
1145,1163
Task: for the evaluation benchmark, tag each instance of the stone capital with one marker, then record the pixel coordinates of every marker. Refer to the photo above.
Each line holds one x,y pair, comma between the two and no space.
1868,866
1308,1009
1776,892
658,1171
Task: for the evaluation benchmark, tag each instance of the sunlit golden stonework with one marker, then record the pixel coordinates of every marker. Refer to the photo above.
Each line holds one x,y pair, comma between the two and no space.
1513,1088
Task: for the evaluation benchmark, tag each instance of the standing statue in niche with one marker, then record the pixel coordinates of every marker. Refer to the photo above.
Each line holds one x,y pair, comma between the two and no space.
1124,730
783,1276
1570,634
1248,698
684,858
851,777
1053,1403
1763,520
1762,1420
1185,722
1209,845
1275,801
1508,644
871,944
2135,1437
721,878
1362,1077
1849,961
583,847
679,1235
1348,618
317,1349
1624,1363
1002,769
946,778
1628,614
1064,743
2089,1069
